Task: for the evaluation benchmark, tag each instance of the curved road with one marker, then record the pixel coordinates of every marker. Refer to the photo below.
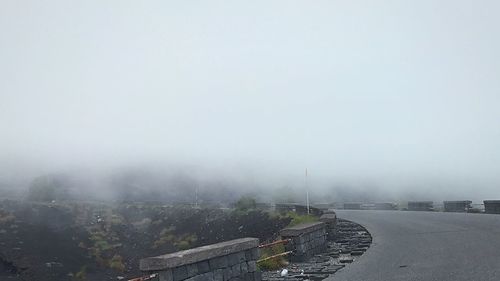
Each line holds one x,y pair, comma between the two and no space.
426,246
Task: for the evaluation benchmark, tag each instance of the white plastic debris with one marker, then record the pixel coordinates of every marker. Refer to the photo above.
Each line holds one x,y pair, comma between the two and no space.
284,272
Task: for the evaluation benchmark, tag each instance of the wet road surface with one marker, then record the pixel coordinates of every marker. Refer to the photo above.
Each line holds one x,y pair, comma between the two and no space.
426,246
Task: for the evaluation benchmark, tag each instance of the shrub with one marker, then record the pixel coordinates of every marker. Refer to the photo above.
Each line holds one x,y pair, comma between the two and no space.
186,242
245,203
116,263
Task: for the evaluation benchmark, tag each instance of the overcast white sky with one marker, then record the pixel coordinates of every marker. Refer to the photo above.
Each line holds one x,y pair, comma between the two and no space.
395,93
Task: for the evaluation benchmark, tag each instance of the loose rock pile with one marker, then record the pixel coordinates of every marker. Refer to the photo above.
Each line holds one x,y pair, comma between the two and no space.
351,240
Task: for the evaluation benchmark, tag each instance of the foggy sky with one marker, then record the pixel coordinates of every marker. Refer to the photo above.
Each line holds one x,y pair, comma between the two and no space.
399,96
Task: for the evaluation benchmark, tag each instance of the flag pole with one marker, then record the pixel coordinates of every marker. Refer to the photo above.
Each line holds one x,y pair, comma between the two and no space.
307,194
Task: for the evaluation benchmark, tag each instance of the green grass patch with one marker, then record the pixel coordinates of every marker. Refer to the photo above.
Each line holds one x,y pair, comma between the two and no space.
274,263
299,219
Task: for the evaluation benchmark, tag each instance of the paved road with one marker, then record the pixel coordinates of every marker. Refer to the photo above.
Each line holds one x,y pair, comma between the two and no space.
426,246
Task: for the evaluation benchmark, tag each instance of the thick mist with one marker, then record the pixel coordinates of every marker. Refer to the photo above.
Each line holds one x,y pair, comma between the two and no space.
385,100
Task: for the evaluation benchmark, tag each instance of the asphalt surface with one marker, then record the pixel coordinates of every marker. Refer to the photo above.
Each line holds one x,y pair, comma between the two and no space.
426,246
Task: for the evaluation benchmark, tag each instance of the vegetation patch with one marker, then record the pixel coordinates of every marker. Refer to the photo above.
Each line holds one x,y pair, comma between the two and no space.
266,263
82,274
101,241
116,263
300,219
180,241
6,217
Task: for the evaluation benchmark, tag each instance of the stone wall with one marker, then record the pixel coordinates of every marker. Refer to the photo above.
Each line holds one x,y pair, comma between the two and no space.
330,220
226,261
307,240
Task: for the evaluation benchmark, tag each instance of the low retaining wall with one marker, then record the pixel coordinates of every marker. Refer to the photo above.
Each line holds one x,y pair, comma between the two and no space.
308,239
420,206
457,206
226,261
352,206
386,206
492,206
330,220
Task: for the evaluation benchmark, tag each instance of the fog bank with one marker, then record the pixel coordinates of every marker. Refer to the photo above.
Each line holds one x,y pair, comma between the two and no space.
393,99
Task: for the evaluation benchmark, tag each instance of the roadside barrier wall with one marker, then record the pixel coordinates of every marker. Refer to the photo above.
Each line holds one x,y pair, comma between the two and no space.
307,240
330,220
226,261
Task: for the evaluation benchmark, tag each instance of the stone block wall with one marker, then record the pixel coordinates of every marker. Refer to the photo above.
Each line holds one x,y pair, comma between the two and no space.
330,220
234,260
307,240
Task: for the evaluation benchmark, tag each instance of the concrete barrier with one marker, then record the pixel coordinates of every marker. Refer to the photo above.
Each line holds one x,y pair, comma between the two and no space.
307,240
229,260
352,206
492,206
330,220
386,206
457,206
420,206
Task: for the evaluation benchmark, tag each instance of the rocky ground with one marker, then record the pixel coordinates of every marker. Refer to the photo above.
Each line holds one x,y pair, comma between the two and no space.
351,241
76,241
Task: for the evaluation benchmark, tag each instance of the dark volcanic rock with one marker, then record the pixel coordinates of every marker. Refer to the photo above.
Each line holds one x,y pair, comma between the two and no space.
58,241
